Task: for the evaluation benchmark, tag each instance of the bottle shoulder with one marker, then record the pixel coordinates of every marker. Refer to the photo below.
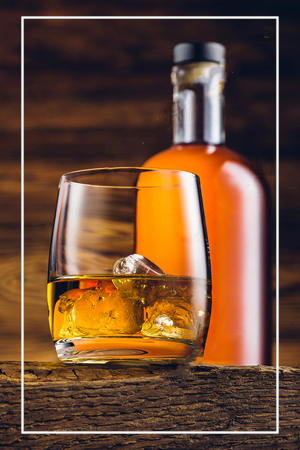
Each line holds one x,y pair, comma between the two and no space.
207,161
195,152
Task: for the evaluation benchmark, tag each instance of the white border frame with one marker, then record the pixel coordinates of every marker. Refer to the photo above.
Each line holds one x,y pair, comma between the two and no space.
277,224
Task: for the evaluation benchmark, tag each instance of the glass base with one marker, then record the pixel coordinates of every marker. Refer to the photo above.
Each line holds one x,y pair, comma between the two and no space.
128,350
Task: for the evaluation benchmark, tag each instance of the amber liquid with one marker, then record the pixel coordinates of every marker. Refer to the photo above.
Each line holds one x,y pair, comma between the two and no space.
132,317
235,211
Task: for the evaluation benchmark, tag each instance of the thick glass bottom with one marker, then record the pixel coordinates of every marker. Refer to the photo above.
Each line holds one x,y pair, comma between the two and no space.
122,350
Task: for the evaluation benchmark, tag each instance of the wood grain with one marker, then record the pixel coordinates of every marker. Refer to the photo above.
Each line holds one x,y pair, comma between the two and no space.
149,398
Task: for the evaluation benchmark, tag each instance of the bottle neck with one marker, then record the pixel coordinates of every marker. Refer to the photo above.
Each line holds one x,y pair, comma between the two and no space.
198,103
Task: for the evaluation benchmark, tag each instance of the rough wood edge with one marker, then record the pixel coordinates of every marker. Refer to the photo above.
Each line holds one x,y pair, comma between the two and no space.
55,372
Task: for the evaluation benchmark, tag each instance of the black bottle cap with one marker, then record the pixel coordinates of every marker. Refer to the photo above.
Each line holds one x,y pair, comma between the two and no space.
186,53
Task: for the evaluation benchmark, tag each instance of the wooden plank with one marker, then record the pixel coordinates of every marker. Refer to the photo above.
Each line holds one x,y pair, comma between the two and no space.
64,397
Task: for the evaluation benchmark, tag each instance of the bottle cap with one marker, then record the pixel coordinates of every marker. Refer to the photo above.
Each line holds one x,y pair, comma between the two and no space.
186,53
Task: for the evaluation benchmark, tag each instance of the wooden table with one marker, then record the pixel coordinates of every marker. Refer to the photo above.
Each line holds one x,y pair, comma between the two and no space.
164,400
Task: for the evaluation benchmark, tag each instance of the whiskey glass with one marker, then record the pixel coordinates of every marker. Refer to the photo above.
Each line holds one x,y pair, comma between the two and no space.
129,269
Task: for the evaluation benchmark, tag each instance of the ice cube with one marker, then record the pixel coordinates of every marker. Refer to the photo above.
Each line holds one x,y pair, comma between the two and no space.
96,314
163,321
67,299
136,264
172,317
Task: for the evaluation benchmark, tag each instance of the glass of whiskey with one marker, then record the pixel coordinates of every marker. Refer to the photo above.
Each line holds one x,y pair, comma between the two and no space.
129,276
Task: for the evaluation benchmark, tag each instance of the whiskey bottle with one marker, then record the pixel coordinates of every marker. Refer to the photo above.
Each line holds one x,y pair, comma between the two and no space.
235,201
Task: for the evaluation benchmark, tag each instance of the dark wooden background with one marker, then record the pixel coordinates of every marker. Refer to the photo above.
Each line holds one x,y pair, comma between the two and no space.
97,93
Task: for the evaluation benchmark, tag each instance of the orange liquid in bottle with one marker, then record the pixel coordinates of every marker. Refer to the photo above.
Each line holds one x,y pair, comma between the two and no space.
235,211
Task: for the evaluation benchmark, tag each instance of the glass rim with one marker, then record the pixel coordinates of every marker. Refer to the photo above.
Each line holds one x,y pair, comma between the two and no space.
68,177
